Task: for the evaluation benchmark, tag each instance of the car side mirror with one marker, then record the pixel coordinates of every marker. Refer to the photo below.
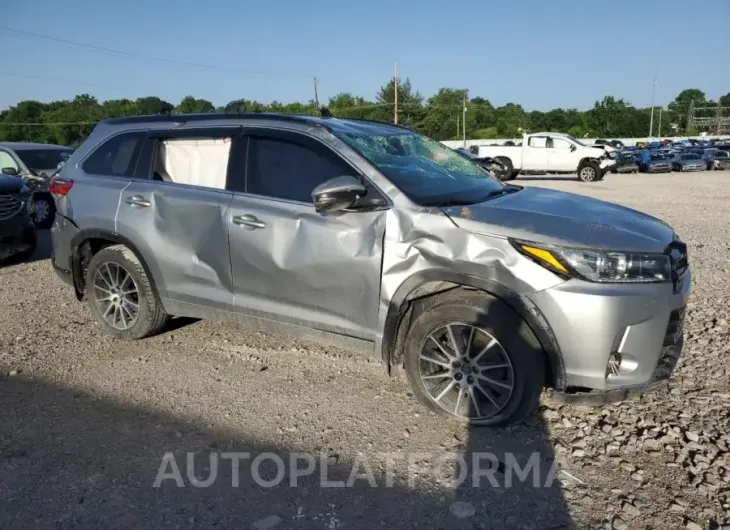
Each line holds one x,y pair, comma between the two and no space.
10,171
337,194
573,147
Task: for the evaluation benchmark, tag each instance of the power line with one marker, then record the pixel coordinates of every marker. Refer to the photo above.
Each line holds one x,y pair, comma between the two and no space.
142,56
57,80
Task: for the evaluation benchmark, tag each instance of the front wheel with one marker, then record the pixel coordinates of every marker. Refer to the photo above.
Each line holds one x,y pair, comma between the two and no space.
589,172
121,295
507,169
470,357
45,210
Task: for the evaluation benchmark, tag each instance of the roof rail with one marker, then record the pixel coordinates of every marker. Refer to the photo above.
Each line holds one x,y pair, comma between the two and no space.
187,118
379,122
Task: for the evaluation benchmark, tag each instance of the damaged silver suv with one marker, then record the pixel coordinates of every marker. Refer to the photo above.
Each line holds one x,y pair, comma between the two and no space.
372,237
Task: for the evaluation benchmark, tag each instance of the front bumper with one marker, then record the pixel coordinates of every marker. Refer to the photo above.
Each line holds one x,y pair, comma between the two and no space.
642,323
659,169
694,167
16,235
627,168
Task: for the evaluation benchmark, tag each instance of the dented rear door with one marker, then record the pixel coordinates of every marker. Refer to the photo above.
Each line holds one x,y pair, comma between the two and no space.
181,230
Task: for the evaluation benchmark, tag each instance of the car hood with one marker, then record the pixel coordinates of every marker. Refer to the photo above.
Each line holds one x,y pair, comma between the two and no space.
659,162
692,161
10,184
560,218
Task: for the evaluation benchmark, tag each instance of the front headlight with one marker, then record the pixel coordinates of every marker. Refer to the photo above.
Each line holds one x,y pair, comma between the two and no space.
598,265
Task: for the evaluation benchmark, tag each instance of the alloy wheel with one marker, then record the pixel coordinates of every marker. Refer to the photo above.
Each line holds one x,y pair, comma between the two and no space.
466,371
116,296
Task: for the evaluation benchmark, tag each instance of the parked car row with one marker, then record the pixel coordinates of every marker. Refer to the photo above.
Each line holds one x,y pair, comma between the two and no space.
664,159
35,164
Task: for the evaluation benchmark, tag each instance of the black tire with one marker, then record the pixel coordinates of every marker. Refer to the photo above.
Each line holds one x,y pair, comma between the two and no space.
589,172
49,209
497,319
151,317
508,169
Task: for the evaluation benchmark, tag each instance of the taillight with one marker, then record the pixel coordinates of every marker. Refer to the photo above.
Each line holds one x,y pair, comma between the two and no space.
59,186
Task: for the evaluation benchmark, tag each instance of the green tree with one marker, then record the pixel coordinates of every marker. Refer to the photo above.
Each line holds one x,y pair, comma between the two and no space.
191,105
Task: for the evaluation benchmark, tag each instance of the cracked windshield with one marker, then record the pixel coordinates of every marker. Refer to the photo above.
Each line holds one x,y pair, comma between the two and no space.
428,172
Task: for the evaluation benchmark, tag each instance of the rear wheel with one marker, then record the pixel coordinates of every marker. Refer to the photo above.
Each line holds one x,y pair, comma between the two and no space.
470,357
121,296
589,172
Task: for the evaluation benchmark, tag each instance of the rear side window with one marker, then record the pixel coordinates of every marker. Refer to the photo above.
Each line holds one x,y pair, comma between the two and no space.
117,156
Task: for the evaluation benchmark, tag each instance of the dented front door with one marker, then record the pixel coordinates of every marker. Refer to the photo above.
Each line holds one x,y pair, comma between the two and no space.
182,233
293,264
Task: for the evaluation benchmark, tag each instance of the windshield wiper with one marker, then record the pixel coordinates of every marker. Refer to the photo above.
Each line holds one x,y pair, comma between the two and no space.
498,193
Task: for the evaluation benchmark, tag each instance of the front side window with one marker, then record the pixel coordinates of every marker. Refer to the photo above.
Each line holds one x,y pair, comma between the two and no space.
116,157
287,170
43,159
426,171
561,143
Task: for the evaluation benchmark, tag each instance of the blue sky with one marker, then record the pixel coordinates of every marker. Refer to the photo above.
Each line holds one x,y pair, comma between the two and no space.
541,54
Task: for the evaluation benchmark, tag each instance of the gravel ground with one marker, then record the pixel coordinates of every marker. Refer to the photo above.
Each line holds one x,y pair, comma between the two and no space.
86,420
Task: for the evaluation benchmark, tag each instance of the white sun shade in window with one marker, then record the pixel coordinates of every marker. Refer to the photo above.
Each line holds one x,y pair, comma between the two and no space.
196,162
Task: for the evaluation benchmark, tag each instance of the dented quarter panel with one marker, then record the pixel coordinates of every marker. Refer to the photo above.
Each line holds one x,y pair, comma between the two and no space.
183,238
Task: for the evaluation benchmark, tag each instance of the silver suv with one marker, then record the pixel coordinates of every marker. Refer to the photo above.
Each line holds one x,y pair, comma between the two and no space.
375,238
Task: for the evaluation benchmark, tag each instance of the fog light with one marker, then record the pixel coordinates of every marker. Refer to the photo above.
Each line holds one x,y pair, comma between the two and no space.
614,365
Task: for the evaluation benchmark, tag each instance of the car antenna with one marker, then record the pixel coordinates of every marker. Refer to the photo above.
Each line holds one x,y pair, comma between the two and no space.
325,112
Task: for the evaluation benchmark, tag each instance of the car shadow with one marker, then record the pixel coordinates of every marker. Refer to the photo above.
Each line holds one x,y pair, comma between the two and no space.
70,458
556,178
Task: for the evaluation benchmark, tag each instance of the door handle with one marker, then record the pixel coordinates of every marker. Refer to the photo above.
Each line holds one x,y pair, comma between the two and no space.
249,221
137,200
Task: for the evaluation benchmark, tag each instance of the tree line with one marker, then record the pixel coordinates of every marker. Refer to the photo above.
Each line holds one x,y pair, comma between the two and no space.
441,116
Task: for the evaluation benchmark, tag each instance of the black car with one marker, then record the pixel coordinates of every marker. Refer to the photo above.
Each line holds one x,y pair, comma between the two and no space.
17,231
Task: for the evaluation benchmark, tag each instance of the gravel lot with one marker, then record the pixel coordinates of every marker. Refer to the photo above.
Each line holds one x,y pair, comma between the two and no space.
85,420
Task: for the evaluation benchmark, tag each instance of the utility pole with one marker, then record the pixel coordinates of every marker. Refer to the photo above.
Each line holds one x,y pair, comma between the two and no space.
463,123
458,129
316,92
659,131
395,88
651,120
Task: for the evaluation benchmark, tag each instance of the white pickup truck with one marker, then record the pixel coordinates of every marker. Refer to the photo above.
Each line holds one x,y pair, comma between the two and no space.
551,153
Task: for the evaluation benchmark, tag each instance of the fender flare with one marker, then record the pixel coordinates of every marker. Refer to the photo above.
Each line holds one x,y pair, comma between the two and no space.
524,307
84,235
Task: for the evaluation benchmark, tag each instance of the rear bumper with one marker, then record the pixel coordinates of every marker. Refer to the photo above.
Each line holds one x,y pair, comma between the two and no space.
62,231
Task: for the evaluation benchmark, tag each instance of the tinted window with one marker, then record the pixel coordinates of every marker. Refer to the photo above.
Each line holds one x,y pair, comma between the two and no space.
116,157
43,159
286,170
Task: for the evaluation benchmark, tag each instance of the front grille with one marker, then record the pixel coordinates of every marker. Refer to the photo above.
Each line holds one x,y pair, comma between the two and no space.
9,206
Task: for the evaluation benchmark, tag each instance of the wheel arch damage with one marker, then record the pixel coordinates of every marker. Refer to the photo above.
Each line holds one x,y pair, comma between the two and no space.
85,244
425,253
